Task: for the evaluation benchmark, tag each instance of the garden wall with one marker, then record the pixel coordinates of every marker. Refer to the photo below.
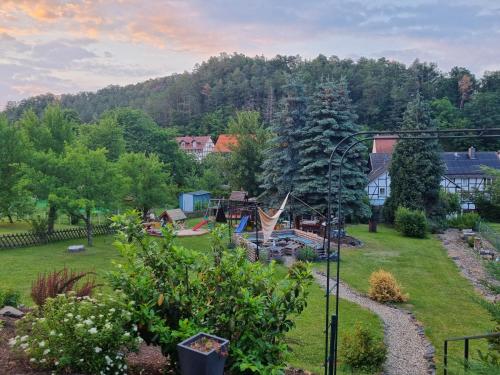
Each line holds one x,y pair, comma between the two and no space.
9,241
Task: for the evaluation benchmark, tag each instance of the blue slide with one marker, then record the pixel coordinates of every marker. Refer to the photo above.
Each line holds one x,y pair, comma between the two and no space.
242,225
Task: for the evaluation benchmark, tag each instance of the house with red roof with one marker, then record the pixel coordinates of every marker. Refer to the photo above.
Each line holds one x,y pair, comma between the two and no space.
197,146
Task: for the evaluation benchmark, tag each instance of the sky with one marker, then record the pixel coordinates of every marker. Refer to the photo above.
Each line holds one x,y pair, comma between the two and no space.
67,46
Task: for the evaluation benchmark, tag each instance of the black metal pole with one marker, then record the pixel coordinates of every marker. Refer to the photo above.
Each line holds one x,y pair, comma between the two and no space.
331,361
445,370
328,253
333,344
257,254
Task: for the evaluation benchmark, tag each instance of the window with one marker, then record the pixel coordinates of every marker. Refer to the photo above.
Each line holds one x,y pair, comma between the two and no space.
382,191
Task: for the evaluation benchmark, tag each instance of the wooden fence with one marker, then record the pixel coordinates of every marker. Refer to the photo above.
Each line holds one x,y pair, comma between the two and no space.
24,239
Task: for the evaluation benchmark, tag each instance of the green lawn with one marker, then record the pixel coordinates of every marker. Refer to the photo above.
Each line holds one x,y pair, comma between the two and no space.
19,267
22,226
495,227
307,339
439,296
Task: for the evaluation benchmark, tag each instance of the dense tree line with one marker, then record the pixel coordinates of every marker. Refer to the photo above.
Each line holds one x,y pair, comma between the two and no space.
202,101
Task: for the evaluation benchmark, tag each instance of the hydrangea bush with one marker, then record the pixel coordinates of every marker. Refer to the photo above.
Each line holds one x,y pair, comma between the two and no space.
79,334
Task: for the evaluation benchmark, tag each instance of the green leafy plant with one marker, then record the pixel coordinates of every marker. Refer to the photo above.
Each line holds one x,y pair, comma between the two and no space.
179,292
411,223
361,350
82,335
468,220
40,225
306,254
10,297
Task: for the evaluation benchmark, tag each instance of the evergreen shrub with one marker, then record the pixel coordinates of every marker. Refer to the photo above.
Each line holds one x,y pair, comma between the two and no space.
361,350
411,223
307,254
385,288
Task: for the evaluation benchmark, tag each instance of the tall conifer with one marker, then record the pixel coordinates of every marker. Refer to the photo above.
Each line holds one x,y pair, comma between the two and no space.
416,167
330,119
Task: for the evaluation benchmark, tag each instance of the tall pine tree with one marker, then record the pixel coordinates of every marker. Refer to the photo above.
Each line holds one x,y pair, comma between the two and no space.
330,119
416,167
282,156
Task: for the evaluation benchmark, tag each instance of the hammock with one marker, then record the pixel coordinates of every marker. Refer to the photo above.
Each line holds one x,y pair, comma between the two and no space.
268,222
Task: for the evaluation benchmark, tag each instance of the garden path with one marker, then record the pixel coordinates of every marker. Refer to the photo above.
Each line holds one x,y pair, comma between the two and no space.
409,351
469,263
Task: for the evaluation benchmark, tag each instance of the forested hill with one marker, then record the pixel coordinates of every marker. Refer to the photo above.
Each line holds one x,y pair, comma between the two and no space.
200,102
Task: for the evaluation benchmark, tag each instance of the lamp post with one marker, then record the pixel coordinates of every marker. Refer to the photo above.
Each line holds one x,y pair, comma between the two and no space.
331,338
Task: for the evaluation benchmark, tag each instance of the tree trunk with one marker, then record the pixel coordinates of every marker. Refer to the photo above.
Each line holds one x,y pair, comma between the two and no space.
88,224
145,217
51,220
10,218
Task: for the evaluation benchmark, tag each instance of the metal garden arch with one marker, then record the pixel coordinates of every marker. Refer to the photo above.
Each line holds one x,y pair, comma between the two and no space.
331,323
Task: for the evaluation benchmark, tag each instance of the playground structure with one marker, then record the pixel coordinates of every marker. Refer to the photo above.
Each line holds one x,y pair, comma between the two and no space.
267,231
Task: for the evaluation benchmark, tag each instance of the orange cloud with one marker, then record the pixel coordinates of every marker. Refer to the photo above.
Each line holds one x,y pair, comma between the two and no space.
164,24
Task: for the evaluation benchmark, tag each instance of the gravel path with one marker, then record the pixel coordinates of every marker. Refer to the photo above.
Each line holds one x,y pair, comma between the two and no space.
469,263
409,351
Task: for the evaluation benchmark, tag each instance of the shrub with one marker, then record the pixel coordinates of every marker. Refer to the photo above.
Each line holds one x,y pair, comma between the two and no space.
9,297
361,350
411,223
180,292
468,220
61,282
40,225
384,288
307,254
78,335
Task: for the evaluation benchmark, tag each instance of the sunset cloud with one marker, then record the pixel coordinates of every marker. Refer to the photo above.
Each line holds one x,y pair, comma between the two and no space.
73,45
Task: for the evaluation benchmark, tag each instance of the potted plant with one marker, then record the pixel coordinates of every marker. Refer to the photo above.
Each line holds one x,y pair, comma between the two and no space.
203,354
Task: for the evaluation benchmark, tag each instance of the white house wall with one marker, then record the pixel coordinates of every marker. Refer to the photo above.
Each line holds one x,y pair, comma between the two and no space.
379,189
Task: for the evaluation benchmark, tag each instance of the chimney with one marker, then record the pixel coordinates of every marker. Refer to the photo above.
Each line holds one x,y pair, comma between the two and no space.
472,152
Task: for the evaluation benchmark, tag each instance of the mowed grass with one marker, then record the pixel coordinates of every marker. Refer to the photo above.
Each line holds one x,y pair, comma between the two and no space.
22,226
440,297
19,267
307,340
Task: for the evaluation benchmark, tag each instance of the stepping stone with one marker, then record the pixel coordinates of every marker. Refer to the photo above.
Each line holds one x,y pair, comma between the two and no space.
76,248
11,312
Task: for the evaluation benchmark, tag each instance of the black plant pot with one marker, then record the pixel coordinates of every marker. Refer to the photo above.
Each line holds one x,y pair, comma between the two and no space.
195,362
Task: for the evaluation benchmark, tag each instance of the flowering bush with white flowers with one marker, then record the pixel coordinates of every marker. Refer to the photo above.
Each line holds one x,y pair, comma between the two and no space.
84,335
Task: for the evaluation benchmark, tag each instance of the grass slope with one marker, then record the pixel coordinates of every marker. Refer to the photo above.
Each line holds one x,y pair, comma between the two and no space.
440,297
306,341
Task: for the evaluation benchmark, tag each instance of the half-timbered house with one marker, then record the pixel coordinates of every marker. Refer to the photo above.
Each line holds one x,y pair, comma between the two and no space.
463,173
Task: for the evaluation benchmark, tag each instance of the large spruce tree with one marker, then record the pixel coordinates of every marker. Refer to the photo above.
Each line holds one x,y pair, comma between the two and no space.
416,166
330,119
281,163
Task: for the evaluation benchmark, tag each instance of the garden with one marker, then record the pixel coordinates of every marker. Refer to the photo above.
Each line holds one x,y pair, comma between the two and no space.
434,292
